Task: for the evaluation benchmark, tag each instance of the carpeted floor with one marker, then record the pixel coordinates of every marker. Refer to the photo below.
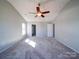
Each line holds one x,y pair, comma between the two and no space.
39,48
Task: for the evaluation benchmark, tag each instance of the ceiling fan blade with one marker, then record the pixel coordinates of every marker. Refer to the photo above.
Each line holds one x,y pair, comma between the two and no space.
32,13
38,4
38,9
45,12
36,16
42,16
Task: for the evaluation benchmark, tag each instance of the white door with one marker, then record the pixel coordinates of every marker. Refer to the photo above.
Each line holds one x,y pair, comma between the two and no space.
50,30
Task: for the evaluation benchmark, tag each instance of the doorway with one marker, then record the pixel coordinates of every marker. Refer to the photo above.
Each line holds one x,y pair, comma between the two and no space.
33,30
51,30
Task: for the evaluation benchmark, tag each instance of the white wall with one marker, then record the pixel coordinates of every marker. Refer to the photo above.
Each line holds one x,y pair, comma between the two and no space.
10,24
41,29
29,29
67,25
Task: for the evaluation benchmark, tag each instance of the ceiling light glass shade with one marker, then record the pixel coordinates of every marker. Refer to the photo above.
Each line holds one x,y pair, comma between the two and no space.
39,14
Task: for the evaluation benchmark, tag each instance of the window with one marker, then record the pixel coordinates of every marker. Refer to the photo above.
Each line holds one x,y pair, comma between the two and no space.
23,28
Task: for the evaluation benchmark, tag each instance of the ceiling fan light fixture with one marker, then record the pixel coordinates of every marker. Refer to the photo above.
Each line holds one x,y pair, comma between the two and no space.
39,14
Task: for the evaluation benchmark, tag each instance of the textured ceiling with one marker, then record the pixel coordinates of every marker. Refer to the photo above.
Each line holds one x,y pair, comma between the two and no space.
26,6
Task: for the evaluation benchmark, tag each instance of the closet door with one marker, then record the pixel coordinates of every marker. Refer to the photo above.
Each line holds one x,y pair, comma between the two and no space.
50,30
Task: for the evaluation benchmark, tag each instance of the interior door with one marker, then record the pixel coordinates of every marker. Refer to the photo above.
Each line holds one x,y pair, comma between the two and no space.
33,30
49,30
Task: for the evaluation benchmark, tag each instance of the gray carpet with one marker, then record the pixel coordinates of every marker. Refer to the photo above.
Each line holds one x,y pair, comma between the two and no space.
45,48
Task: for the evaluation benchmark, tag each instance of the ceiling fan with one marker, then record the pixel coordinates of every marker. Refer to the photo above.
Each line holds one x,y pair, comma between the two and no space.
39,12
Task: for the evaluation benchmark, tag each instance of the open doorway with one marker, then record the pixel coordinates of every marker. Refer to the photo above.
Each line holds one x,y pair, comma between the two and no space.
33,30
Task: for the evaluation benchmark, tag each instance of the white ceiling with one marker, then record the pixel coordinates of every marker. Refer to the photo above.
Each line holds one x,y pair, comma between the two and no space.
26,6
